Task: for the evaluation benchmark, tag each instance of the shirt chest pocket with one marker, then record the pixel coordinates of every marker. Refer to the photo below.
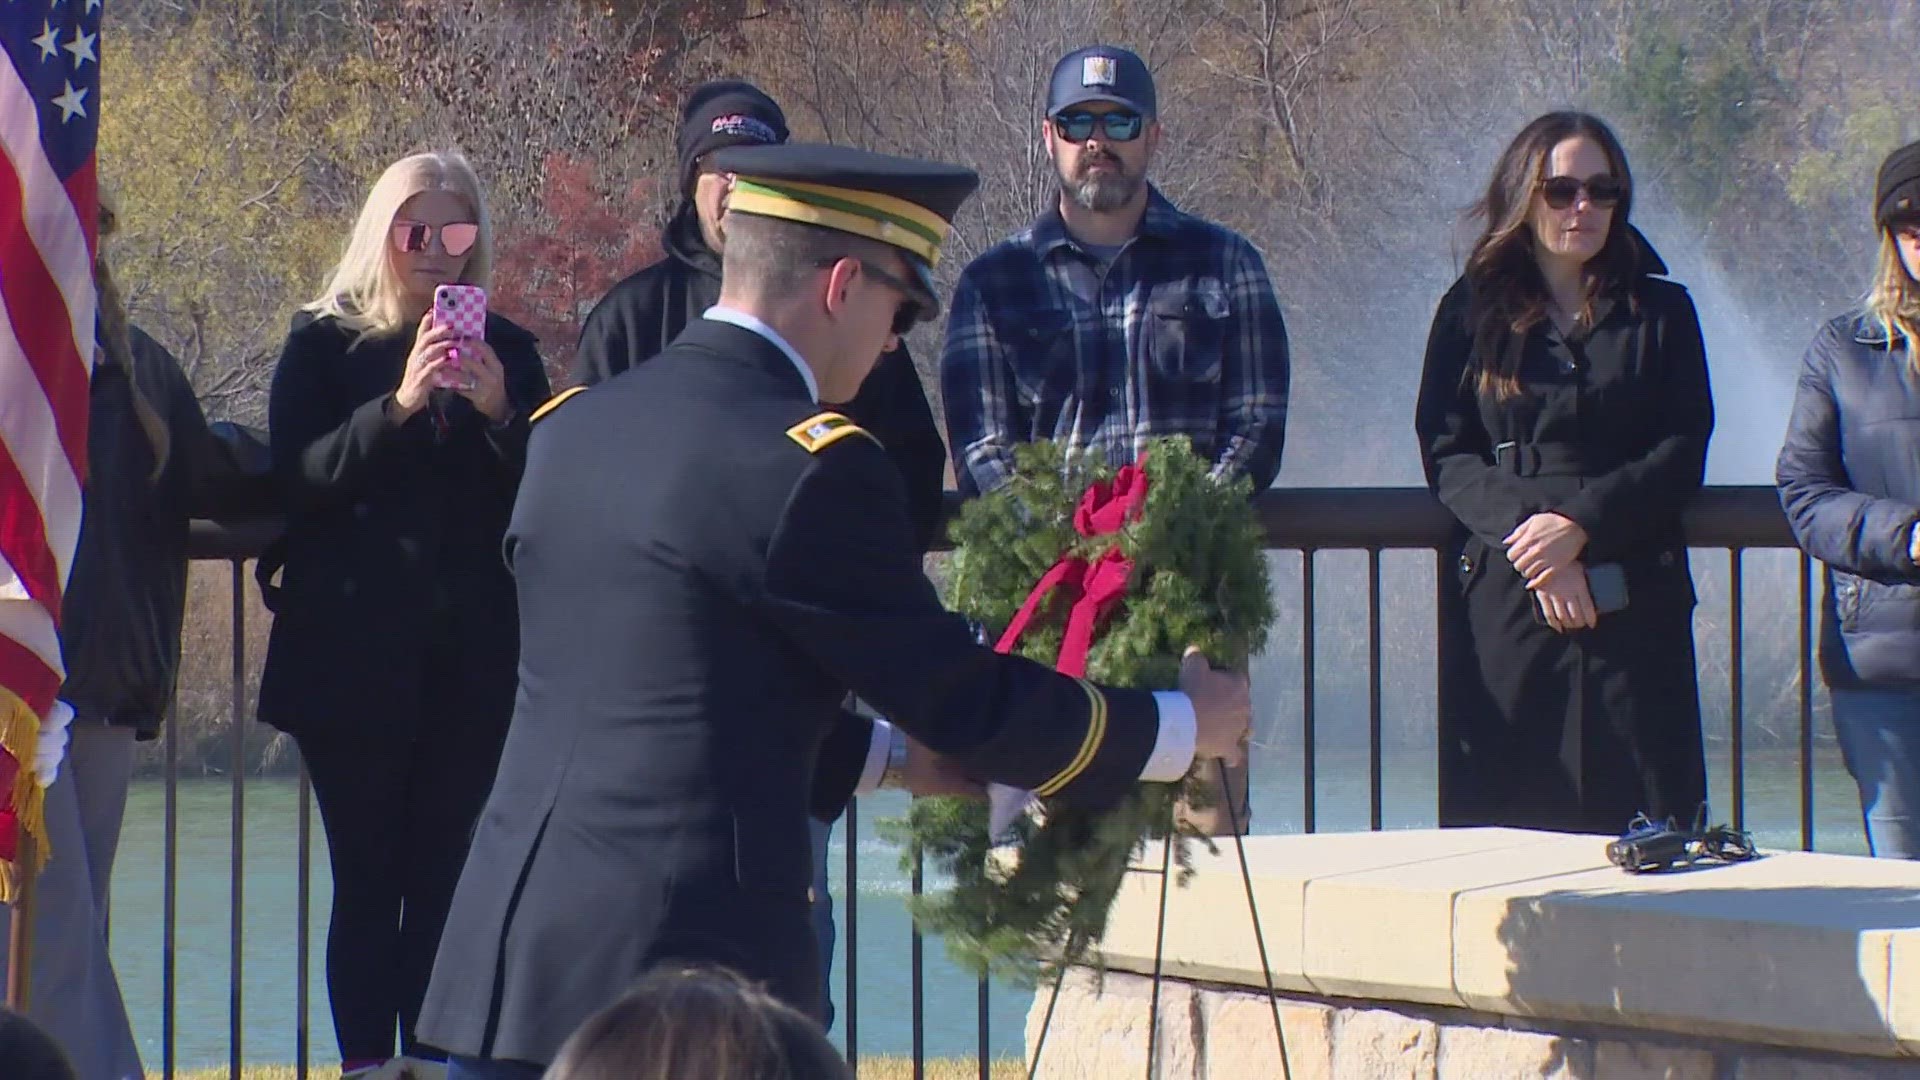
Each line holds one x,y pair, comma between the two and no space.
1185,330
1039,344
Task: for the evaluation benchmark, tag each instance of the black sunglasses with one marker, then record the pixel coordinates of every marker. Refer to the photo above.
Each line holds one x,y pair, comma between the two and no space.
1602,190
907,315
1077,127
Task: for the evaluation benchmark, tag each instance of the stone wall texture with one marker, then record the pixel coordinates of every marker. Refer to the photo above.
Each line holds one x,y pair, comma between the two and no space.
1211,1032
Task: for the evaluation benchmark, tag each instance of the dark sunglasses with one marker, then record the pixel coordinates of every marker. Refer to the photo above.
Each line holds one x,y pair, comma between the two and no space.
907,315
1077,127
1602,190
456,237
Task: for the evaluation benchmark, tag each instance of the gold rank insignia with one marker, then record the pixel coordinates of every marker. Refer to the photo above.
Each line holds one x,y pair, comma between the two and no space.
823,430
554,402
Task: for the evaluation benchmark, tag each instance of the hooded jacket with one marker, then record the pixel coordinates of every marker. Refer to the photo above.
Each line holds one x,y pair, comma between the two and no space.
642,313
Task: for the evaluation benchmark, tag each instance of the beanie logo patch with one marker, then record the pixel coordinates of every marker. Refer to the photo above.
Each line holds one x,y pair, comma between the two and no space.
1099,71
744,126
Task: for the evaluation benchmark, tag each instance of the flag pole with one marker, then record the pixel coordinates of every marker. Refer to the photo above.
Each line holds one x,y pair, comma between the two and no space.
20,936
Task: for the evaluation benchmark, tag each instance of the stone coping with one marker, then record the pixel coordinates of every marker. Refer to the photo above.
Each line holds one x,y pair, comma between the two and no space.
1793,949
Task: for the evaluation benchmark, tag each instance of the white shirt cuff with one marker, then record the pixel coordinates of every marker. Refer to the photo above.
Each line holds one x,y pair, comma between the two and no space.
1173,746
879,751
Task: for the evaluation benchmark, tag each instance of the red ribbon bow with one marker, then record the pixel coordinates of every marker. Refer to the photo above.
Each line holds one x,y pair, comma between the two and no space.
1097,586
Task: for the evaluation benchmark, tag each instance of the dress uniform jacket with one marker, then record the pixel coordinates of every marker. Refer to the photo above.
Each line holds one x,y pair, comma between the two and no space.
1576,731
706,565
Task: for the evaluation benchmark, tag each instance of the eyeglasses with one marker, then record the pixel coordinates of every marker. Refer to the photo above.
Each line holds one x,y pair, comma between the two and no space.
1119,126
907,315
1602,190
456,237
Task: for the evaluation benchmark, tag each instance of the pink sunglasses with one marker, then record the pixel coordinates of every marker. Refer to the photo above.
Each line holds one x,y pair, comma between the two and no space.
456,237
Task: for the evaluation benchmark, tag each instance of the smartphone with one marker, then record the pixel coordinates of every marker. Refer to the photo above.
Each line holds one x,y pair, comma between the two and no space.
1607,584
463,307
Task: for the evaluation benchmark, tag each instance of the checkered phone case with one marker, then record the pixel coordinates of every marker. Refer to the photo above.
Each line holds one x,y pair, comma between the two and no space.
463,307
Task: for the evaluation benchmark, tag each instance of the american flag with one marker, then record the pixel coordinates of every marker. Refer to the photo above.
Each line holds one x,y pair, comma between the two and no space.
49,120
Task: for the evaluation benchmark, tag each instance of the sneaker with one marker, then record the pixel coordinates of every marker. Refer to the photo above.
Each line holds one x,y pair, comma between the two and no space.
392,1069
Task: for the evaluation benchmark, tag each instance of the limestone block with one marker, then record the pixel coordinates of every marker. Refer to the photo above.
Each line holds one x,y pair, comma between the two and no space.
1209,933
1768,1066
1639,1061
1238,1041
1388,933
1478,1053
1102,1032
1903,985
1373,1044
1791,949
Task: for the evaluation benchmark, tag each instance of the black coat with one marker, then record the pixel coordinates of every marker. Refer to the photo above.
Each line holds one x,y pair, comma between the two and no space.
1849,476
393,538
127,594
645,311
687,636
1580,731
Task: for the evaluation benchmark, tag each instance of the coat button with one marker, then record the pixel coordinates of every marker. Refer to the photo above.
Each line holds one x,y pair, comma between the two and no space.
1666,558
362,510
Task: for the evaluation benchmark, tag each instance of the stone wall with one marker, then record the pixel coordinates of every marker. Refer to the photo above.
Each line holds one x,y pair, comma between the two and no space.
1496,953
1211,1032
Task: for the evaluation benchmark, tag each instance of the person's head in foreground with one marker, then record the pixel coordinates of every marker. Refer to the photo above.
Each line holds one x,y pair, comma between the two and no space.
691,1022
27,1053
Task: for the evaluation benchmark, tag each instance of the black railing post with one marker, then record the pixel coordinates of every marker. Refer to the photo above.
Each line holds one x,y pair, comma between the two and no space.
238,766
1375,817
1307,520
1309,741
851,897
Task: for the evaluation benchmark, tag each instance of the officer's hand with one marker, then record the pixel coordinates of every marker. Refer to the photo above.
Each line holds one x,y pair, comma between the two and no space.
1222,709
929,773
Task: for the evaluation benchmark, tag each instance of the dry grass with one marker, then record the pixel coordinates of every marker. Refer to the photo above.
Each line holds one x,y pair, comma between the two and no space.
871,1068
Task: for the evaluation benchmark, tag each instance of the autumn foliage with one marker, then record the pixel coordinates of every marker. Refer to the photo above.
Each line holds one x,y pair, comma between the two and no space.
554,264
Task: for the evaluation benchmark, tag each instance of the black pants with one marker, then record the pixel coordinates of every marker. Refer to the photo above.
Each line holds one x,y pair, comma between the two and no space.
399,815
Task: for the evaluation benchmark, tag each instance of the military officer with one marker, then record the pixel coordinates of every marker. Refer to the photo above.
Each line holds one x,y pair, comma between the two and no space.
706,564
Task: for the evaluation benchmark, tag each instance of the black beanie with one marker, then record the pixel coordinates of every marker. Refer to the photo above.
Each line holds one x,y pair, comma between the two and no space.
725,112
1897,192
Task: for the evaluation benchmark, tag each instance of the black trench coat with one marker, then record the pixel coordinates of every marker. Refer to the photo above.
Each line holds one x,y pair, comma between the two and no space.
1574,732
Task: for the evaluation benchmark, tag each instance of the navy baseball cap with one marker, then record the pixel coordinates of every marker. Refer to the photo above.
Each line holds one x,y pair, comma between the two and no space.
1101,73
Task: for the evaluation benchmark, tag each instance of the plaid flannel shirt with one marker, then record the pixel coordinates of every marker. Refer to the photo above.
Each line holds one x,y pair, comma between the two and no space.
1180,336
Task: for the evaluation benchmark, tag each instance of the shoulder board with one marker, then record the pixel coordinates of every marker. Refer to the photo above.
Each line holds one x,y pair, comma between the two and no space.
816,433
554,402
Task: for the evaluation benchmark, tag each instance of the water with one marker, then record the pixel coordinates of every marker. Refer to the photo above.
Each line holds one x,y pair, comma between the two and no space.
270,901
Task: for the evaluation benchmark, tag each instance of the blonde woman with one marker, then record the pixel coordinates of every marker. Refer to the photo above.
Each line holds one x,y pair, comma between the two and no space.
392,658
1849,477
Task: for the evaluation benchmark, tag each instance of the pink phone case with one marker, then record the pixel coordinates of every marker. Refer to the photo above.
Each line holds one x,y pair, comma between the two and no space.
463,307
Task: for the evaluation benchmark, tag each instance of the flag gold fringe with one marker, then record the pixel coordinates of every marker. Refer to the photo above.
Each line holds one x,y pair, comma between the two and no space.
19,736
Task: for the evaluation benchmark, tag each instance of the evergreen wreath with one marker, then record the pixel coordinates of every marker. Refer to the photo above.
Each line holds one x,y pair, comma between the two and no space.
1198,577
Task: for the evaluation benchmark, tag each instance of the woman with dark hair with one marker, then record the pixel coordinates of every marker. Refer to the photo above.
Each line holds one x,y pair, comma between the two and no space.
1563,418
698,1023
150,460
1849,476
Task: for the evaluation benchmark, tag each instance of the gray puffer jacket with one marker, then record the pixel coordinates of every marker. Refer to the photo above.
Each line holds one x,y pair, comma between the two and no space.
1849,479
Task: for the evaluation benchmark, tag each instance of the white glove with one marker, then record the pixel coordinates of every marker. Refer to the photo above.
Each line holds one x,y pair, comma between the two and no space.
1005,805
52,746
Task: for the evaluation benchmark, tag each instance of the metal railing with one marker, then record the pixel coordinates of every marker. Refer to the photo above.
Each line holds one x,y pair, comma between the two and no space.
1308,521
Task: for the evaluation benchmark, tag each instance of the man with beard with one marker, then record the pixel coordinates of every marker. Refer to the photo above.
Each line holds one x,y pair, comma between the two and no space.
1115,318
641,314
